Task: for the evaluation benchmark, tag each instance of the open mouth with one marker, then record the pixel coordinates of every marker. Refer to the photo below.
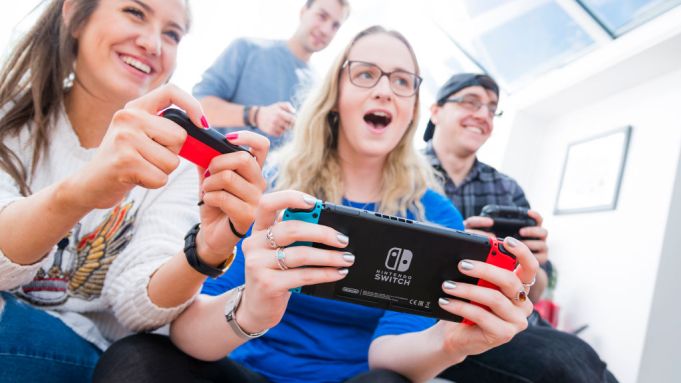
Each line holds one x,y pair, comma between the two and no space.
140,66
378,120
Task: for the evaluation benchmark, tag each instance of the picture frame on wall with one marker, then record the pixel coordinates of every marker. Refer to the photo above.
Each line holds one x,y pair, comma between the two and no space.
592,173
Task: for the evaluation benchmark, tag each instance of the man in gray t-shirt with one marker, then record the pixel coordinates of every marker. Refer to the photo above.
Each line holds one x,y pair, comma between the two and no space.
255,82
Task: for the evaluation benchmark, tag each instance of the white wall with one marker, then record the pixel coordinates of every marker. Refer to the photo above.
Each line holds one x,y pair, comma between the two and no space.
660,362
607,261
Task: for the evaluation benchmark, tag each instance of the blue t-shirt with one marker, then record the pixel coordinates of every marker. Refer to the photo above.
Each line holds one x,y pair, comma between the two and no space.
256,72
322,340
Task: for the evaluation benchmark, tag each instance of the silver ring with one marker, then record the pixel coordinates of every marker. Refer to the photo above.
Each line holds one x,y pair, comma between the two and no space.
270,238
528,285
281,259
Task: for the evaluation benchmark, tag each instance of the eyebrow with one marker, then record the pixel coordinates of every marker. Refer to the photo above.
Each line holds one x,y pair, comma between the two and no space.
144,5
404,70
151,11
325,13
396,69
491,101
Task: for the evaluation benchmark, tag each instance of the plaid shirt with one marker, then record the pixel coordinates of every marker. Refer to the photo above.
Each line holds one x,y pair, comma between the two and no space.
482,186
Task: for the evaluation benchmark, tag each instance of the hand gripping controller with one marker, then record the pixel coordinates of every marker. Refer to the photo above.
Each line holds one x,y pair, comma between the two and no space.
497,254
500,257
201,144
307,215
310,215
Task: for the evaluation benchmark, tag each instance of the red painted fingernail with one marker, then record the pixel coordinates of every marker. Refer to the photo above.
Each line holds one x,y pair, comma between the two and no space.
204,122
206,173
232,136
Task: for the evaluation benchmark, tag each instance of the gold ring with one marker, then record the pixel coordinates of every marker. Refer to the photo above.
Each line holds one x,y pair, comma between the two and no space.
521,296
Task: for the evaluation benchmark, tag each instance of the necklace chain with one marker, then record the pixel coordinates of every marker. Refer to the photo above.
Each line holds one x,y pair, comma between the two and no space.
354,204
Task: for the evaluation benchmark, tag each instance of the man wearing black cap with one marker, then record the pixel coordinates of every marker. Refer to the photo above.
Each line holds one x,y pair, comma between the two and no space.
463,114
461,122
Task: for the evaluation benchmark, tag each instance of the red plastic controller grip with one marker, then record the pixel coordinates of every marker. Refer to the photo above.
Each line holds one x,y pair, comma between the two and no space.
201,144
498,256
197,152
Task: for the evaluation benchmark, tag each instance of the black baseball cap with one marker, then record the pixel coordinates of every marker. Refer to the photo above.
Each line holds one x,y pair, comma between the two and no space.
455,84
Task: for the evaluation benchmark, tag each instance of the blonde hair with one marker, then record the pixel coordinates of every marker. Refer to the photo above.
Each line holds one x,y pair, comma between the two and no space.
310,162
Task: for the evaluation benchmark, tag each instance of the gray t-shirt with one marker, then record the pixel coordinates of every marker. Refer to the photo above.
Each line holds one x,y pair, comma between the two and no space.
256,72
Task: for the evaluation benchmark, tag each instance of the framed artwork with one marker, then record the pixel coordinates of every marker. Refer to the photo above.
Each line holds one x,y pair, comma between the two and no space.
592,173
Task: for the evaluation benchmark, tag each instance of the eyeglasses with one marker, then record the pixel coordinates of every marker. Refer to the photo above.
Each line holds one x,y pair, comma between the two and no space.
367,75
473,103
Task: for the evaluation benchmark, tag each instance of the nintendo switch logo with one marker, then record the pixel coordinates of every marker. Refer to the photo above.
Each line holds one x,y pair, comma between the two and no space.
398,259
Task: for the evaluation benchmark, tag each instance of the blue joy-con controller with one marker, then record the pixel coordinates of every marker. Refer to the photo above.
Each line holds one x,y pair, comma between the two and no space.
307,215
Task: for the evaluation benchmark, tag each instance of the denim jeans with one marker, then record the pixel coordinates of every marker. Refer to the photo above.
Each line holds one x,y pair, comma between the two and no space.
540,354
37,347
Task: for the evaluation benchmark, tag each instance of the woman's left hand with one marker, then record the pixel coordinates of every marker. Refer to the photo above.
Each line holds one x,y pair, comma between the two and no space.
231,188
508,306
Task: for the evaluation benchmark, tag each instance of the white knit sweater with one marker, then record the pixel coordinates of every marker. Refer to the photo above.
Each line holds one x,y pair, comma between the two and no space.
96,278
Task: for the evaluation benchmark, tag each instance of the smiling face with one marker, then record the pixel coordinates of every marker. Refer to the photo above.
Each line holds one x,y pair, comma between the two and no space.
319,24
374,120
129,47
462,128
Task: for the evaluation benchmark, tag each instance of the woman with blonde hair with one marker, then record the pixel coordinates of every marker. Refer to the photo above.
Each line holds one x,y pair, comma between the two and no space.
94,200
352,145
312,163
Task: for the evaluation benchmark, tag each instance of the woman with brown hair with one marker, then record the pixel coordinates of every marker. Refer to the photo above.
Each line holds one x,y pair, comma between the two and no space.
94,200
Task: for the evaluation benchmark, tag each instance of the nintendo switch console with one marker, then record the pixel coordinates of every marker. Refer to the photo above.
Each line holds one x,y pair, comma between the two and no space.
201,144
400,264
508,220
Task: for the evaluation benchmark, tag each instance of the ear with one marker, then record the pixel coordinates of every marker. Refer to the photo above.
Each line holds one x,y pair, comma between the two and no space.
67,10
434,109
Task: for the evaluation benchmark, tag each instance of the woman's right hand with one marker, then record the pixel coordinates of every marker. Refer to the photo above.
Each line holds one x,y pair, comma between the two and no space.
508,305
140,148
267,283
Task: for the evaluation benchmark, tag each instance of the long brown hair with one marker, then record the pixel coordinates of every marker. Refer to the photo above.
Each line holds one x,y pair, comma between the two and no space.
32,82
310,163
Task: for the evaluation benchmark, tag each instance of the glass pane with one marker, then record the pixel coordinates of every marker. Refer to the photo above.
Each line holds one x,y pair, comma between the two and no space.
620,16
477,7
542,38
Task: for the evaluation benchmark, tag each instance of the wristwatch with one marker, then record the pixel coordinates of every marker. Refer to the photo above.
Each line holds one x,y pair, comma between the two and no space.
195,261
230,315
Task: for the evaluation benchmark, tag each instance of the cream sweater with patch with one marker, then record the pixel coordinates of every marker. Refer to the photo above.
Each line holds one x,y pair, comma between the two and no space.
95,279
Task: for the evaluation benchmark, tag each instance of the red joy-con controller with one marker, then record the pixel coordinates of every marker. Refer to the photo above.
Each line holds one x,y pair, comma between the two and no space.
201,144
500,257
